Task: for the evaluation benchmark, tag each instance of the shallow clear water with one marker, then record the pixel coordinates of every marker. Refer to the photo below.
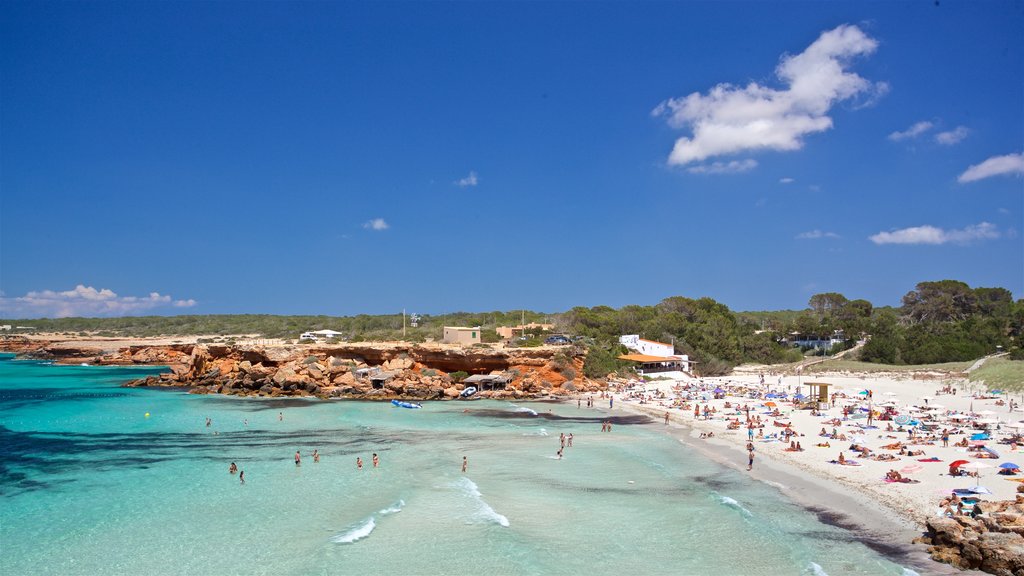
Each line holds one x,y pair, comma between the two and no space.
90,485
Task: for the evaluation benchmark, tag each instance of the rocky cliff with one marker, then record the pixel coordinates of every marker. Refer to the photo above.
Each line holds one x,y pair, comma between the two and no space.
362,370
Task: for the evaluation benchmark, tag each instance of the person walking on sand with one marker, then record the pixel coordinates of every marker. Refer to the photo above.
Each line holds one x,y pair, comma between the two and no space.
465,464
750,459
376,460
298,459
666,418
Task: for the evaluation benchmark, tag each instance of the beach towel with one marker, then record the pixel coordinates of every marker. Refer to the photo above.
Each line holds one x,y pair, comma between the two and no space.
932,459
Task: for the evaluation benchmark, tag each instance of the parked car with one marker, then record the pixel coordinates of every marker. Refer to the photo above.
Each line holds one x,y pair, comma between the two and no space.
557,340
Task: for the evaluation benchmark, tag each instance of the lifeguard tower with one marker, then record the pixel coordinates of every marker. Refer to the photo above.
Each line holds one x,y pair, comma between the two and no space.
818,391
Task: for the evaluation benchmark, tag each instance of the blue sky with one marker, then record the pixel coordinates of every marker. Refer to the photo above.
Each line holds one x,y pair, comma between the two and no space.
340,158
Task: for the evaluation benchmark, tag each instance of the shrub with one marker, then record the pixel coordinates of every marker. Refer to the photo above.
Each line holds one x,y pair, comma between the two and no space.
459,376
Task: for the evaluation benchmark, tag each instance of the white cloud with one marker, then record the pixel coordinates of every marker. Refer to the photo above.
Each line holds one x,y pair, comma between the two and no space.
376,224
953,136
815,235
730,167
913,132
994,166
786,180
470,180
730,119
935,236
84,301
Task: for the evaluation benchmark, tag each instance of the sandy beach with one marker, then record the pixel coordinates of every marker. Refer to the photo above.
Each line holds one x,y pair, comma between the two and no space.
855,496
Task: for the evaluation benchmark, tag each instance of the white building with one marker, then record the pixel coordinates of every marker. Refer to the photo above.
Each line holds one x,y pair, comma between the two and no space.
652,353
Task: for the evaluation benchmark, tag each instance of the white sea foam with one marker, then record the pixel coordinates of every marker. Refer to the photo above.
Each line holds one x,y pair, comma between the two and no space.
484,511
816,569
909,572
732,503
393,509
541,432
356,532
525,409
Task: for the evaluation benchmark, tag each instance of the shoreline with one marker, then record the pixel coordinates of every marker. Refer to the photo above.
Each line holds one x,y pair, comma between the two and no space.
881,527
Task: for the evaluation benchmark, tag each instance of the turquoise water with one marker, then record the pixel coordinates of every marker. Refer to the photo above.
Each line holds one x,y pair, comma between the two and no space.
90,485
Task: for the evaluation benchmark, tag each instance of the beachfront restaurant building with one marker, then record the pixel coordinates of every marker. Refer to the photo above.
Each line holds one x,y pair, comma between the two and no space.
645,364
654,356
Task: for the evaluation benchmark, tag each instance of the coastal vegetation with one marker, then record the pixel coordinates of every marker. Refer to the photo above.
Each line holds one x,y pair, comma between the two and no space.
938,322
1001,374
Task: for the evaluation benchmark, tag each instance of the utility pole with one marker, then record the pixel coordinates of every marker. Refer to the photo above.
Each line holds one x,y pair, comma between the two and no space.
403,322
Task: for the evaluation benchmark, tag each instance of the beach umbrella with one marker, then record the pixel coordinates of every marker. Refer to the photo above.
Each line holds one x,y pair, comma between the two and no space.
927,397
985,413
770,404
863,392
958,463
902,420
1009,466
890,393
988,421
935,406
975,465
990,451
979,490
911,469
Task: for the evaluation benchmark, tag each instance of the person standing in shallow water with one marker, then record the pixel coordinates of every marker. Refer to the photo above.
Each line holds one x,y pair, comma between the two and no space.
465,464
376,460
241,476
298,459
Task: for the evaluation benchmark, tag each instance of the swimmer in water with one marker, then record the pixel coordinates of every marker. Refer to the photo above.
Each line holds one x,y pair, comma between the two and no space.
376,460
316,456
232,469
359,463
241,476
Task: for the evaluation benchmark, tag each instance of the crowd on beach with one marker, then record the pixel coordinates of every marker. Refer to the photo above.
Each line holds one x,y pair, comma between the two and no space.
877,433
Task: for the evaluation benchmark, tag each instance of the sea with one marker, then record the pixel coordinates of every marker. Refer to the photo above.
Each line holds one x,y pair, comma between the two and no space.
98,479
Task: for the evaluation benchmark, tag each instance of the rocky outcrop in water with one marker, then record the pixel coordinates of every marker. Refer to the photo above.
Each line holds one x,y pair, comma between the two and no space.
363,370
992,540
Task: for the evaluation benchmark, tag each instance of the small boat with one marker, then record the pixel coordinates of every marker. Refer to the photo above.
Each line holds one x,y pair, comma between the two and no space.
469,391
402,404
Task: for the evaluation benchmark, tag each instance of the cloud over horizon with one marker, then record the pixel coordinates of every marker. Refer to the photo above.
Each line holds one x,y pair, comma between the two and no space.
376,224
936,236
731,119
994,166
84,301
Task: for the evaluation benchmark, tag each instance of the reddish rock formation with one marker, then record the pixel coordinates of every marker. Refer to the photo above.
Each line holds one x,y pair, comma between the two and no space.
362,370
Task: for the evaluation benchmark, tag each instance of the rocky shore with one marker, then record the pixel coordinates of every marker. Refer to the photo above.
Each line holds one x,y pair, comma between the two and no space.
364,370
990,539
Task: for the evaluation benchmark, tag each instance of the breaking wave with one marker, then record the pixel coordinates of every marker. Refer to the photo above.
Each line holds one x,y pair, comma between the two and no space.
484,511
356,532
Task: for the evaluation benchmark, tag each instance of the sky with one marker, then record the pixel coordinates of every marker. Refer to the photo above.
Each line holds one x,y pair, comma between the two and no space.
344,158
